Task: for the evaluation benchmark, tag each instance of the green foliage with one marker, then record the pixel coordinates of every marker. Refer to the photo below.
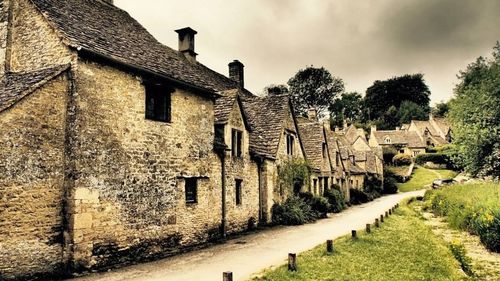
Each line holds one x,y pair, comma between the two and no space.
436,158
388,153
411,111
348,107
471,207
335,198
314,88
390,185
383,99
276,89
358,196
373,187
440,110
319,205
460,254
402,160
404,248
292,171
475,117
294,211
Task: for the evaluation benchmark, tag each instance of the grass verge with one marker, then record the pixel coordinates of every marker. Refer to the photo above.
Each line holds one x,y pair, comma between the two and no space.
404,248
422,176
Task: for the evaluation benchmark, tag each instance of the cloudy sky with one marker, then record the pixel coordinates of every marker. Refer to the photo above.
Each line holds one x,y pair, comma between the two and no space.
358,41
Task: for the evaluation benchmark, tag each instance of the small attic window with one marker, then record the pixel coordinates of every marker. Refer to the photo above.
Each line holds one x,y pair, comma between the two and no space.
236,143
289,144
387,140
324,150
158,102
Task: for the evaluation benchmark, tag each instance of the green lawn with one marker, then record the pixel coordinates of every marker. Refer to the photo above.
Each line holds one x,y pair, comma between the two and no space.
404,248
422,176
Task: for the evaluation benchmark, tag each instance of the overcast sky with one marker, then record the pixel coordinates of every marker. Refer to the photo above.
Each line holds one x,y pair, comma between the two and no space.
358,41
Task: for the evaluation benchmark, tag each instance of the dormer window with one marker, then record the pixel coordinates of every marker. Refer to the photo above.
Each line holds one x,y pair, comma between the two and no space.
387,140
158,103
289,144
236,143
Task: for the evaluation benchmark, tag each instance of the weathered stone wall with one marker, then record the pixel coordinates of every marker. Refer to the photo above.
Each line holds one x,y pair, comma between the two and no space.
35,44
129,199
4,21
32,137
242,168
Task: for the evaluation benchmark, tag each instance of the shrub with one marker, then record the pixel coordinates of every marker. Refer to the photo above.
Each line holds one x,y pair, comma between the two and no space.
402,160
358,196
335,199
389,153
294,211
318,204
460,254
436,158
390,182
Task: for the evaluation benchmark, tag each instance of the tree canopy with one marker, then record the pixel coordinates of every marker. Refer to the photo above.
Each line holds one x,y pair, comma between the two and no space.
348,107
276,89
314,88
475,116
386,95
440,109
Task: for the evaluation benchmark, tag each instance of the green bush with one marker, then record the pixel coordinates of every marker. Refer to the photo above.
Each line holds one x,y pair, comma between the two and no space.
335,199
390,182
319,205
475,208
436,158
388,153
294,211
358,196
402,160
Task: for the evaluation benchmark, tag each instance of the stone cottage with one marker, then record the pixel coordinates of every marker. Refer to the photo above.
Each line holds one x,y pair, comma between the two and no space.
434,132
407,142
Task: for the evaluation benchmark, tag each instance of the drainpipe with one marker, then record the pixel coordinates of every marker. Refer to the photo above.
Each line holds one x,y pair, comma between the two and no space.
223,182
261,201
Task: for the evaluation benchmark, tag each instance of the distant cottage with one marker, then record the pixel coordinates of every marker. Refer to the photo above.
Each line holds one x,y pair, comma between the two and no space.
116,148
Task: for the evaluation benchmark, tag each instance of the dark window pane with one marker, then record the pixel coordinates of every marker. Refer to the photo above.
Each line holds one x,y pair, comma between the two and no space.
238,191
191,190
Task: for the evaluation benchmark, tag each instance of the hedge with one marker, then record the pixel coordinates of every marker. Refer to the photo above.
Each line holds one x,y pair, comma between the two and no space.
436,158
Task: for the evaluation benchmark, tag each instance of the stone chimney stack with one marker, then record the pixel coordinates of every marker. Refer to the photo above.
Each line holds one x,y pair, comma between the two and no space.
374,128
186,42
236,72
312,114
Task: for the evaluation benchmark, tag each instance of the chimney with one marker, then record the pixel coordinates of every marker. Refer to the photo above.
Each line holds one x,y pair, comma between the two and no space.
398,128
186,42
312,114
430,117
345,124
236,72
374,128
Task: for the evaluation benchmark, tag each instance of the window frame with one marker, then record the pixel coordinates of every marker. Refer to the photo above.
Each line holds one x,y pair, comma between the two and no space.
236,143
160,98
290,140
238,191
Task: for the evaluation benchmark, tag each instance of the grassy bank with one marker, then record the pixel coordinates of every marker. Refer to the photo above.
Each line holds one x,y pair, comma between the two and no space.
422,176
402,249
471,207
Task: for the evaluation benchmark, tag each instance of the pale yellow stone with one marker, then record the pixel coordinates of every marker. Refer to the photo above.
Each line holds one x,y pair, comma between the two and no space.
82,221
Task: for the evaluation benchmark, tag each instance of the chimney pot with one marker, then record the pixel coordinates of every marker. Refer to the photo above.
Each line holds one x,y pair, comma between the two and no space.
312,114
236,72
374,128
186,42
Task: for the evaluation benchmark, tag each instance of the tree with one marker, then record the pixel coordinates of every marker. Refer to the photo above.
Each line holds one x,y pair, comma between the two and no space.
276,89
440,110
314,88
383,95
348,107
475,116
411,111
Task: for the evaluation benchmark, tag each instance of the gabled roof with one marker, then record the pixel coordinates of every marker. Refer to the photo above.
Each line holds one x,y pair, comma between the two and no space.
98,28
352,134
422,126
442,124
266,116
399,137
312,137
225,104
16,86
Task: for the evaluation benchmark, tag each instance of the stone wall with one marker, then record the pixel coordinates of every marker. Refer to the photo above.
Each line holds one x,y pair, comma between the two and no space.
4,21
239,217
35,44
32,135
129,198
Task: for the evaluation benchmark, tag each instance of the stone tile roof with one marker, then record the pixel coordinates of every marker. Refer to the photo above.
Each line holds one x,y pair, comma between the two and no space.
312,139
16,86
105,30
371,163
414,140
357,170
422,125
408,138
224,105
352,133
266,116
360,156
442,124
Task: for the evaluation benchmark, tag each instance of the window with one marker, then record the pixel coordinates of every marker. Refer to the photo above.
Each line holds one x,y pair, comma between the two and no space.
236,140
191,186
289,144
315,186
387,140
238,191
324,150
325,184
158,103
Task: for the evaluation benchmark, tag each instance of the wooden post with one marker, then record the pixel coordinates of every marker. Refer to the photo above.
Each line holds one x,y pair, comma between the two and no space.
386,214
329,246
292,262
227,276
354,234
381,218
368,228
390,211
377,224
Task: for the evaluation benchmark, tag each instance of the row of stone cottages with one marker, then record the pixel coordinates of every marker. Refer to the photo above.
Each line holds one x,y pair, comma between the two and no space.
115,147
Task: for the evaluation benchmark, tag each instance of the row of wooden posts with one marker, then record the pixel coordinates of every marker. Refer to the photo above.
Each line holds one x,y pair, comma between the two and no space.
292,257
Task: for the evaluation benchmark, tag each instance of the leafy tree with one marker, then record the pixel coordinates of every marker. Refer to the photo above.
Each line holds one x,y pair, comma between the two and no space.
348,107
475,116
276,89
411,111
440,110
314,88
383,95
